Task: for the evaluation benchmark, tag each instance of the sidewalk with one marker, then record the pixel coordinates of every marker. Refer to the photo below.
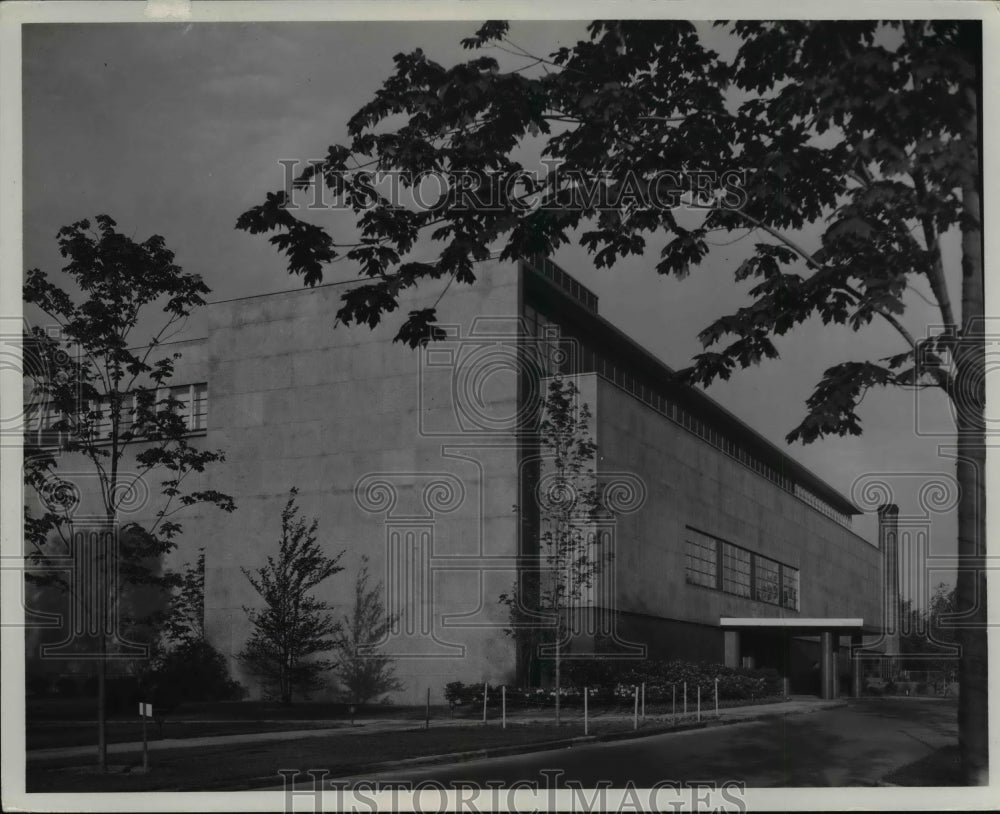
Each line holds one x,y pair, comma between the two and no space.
652,724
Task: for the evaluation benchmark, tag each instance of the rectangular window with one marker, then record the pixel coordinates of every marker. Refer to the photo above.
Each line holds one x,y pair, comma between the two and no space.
38,424
735,570
701,560
126,416
182,394
100,418
199,414
790,587
766,579
192,405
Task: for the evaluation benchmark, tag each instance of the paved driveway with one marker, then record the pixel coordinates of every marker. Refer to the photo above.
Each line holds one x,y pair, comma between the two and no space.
854,745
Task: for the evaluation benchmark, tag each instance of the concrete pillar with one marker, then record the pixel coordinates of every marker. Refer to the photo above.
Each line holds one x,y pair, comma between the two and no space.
827,666
856,667
732,648
888,539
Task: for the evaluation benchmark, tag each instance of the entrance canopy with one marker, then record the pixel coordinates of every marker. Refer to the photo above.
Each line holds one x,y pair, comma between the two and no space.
795,626
828,630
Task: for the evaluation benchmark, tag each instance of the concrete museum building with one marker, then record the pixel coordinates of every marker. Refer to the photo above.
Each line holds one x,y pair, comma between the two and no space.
725,549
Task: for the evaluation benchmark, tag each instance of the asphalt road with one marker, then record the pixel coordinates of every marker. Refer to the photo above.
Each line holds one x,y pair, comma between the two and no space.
854,745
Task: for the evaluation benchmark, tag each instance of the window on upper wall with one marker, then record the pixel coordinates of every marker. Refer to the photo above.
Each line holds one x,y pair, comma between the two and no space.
735,570
193,404
766,580
192,407
789,587
701,560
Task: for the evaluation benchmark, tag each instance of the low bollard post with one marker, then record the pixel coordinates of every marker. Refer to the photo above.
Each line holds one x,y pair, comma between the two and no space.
673,704
635,713
503,705
486,692
586,723
644,700
699,702
716,696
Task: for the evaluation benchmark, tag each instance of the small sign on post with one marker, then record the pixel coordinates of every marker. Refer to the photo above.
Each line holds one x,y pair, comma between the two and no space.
145,711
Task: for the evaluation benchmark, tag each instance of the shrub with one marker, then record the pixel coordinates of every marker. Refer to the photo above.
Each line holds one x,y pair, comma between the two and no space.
617,677
67,687
193,671
610,681
36,685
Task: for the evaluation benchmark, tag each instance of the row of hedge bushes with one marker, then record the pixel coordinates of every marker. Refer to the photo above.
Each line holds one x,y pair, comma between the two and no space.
193,671
611,681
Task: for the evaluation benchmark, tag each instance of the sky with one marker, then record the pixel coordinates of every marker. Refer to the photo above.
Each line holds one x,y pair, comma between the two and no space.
176,129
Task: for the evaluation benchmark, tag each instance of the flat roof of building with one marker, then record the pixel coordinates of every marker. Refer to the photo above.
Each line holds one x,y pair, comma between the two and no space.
818,622
603,333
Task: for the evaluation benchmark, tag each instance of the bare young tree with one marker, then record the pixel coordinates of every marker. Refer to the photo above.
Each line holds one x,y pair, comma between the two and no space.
550,591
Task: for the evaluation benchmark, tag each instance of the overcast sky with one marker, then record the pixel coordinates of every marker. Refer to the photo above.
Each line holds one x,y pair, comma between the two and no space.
177,129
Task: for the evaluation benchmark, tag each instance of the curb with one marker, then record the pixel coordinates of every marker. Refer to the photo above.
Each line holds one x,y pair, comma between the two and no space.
529,748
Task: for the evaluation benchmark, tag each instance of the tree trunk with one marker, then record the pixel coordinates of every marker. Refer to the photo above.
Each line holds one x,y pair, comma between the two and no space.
973,732
968,398
557,677
102,703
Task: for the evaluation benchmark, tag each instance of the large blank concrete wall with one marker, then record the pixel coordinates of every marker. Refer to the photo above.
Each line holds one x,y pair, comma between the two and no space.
298,402
691,483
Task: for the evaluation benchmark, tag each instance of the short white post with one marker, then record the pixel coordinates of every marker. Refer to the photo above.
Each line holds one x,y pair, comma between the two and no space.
716,696
503,705
586,723
635,713
145,743
486,692
685,699
644,700
673,703
699,701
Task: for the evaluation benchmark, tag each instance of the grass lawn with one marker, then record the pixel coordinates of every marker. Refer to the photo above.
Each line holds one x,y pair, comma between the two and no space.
940,768
254,765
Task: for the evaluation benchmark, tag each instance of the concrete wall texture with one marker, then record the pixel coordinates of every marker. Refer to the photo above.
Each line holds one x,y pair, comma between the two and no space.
296,402
411,459
693,484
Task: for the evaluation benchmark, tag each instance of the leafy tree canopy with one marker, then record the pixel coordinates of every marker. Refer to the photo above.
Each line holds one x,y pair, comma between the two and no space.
866,127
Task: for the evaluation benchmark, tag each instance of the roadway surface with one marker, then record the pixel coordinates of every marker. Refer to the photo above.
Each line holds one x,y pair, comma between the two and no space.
855,745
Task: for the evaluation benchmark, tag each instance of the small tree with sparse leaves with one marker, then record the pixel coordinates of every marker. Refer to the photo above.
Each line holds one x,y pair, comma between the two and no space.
548,591
293,627
103,385
362,671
